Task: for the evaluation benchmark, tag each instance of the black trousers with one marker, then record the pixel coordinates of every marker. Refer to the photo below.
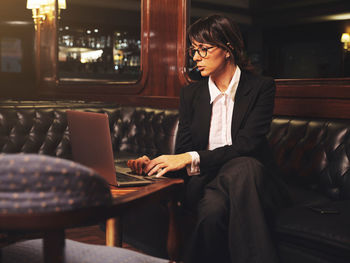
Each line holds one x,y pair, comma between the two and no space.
234,207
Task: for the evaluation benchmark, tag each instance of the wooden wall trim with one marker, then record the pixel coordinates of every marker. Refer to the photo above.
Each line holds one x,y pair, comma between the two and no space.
326,98
47,51
295,100
314,88
311,107
163,102
183,18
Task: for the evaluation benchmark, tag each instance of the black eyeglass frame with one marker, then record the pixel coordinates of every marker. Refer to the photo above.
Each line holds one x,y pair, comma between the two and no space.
192,51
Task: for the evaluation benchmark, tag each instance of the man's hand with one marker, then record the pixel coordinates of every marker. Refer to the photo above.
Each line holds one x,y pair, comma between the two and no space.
166,163
138,165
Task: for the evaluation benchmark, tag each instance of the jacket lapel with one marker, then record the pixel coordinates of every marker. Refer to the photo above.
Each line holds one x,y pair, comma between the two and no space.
242,101
202,117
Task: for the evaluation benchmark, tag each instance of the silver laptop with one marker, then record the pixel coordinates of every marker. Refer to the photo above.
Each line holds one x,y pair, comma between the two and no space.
92,146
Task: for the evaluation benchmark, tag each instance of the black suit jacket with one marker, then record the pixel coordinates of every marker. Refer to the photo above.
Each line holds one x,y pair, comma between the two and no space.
252,115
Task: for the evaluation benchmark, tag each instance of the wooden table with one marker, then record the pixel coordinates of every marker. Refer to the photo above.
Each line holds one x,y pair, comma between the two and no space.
131,197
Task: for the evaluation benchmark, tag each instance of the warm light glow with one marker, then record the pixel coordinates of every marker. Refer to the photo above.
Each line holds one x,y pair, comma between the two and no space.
17,23
32,4
345,37
62,4
90,56
42,8
35,5
344,16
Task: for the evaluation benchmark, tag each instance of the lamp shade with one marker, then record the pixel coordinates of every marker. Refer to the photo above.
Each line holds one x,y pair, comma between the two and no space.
33,4
345,38
62,4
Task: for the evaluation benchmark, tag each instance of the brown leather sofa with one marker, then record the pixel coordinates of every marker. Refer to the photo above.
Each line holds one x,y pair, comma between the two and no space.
313,155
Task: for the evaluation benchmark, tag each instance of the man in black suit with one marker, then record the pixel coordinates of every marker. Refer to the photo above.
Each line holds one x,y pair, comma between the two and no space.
221,145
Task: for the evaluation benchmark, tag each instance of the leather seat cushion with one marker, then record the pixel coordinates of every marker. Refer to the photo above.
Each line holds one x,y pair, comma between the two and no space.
327,235
301,196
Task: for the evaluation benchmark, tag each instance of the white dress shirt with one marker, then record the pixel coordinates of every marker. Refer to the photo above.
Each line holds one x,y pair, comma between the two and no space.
221,119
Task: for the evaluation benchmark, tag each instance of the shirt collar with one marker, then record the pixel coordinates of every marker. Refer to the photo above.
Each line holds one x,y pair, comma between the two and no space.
231,90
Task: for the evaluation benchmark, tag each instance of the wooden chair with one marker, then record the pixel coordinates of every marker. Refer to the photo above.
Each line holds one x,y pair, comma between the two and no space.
41,195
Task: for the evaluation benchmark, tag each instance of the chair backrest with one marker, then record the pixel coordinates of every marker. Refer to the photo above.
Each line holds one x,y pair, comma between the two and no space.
31,183
44,194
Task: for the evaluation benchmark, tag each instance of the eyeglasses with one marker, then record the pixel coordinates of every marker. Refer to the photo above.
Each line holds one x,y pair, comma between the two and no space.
202,52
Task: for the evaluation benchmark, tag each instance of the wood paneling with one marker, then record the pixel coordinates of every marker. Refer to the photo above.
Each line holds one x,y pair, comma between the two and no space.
166,20
314,88
327,98
46,52
21,83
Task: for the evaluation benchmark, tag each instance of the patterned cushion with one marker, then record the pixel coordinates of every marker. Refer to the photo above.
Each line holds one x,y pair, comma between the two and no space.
75,252
36,183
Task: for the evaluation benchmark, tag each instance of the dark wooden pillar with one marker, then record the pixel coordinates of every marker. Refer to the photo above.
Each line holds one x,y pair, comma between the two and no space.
47,51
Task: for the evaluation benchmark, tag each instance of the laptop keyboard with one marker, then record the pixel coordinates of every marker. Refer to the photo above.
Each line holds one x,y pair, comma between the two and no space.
125,178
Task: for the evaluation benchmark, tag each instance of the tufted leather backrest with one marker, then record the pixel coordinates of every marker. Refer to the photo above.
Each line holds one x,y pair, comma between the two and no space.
42,128
313,153
144,130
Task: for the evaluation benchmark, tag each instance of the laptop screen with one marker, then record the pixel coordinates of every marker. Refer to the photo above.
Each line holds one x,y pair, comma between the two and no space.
91,142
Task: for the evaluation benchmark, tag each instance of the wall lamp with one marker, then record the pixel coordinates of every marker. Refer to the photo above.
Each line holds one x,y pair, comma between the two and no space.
345,39
43,8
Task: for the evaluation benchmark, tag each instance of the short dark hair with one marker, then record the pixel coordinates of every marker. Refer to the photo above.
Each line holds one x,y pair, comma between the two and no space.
223,32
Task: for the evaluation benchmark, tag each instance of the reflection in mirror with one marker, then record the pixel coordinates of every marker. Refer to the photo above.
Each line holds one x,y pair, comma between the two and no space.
99,41
288,39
